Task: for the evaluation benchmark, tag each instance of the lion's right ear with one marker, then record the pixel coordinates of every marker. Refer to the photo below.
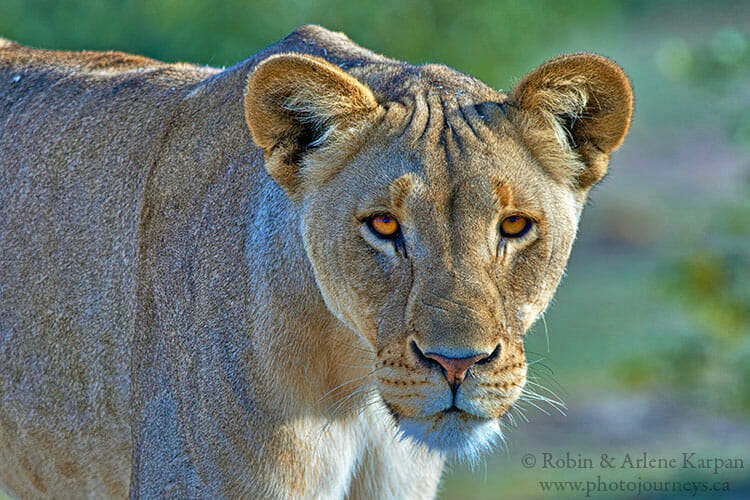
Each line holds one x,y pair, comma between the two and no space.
573,111
294,103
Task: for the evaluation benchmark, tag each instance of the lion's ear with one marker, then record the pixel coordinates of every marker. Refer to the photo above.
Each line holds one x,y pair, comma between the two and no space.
297,102
573,111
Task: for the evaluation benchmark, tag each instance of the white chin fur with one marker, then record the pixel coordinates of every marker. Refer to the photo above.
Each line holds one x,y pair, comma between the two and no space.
453,437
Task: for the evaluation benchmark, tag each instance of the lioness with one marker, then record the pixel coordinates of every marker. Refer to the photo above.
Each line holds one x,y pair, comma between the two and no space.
305,276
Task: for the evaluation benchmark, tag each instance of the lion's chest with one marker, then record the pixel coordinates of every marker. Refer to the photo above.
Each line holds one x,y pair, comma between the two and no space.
358,457
317,458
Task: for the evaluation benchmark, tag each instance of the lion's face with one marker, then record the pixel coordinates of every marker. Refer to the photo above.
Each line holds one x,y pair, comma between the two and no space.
447,282
438,236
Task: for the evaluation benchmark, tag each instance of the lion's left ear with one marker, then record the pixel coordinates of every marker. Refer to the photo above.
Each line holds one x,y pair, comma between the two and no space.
295,103
573,111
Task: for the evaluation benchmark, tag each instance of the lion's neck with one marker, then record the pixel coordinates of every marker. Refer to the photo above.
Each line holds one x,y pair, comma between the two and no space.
301,350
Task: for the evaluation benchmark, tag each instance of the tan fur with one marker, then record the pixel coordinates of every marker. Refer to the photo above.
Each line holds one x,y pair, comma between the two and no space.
192,305
288,93
593,92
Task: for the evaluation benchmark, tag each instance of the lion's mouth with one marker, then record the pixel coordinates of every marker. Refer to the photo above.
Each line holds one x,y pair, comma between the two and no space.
453,424
456,412
452,432
465,415
453,410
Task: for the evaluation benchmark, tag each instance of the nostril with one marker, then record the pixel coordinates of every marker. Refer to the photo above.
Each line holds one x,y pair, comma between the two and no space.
493,355
454,369
421,357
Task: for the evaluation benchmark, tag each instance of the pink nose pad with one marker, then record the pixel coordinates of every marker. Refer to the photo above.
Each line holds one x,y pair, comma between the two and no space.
455,368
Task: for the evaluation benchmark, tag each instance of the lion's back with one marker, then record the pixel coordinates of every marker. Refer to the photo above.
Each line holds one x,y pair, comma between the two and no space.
78,134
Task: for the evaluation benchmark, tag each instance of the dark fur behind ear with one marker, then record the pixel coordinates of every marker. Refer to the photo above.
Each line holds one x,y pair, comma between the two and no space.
294,102
573,111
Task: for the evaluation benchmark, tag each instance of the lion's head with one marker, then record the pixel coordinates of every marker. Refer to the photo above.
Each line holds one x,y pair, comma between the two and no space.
438,215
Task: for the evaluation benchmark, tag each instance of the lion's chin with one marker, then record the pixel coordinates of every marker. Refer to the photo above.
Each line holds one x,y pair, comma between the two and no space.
455,435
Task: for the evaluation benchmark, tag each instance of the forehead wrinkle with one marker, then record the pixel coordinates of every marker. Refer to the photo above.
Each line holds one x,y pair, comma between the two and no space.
437,123
440,145
432,138
457,149
451,143
452,164
418,119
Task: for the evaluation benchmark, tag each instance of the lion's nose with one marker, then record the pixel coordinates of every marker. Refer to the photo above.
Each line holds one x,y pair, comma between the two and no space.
454,369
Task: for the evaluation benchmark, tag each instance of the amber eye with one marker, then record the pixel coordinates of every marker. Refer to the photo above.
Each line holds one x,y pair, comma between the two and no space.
384,226
514,226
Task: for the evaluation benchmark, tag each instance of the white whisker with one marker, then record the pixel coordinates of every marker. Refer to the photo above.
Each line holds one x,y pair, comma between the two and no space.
349,382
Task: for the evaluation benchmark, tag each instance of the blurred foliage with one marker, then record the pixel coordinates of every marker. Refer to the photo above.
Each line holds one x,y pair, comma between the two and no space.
704,271
480,38
720,61
709,362
712,285
715,59
709,282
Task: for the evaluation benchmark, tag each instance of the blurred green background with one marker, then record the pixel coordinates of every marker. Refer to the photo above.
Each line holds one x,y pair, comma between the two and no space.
648,341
